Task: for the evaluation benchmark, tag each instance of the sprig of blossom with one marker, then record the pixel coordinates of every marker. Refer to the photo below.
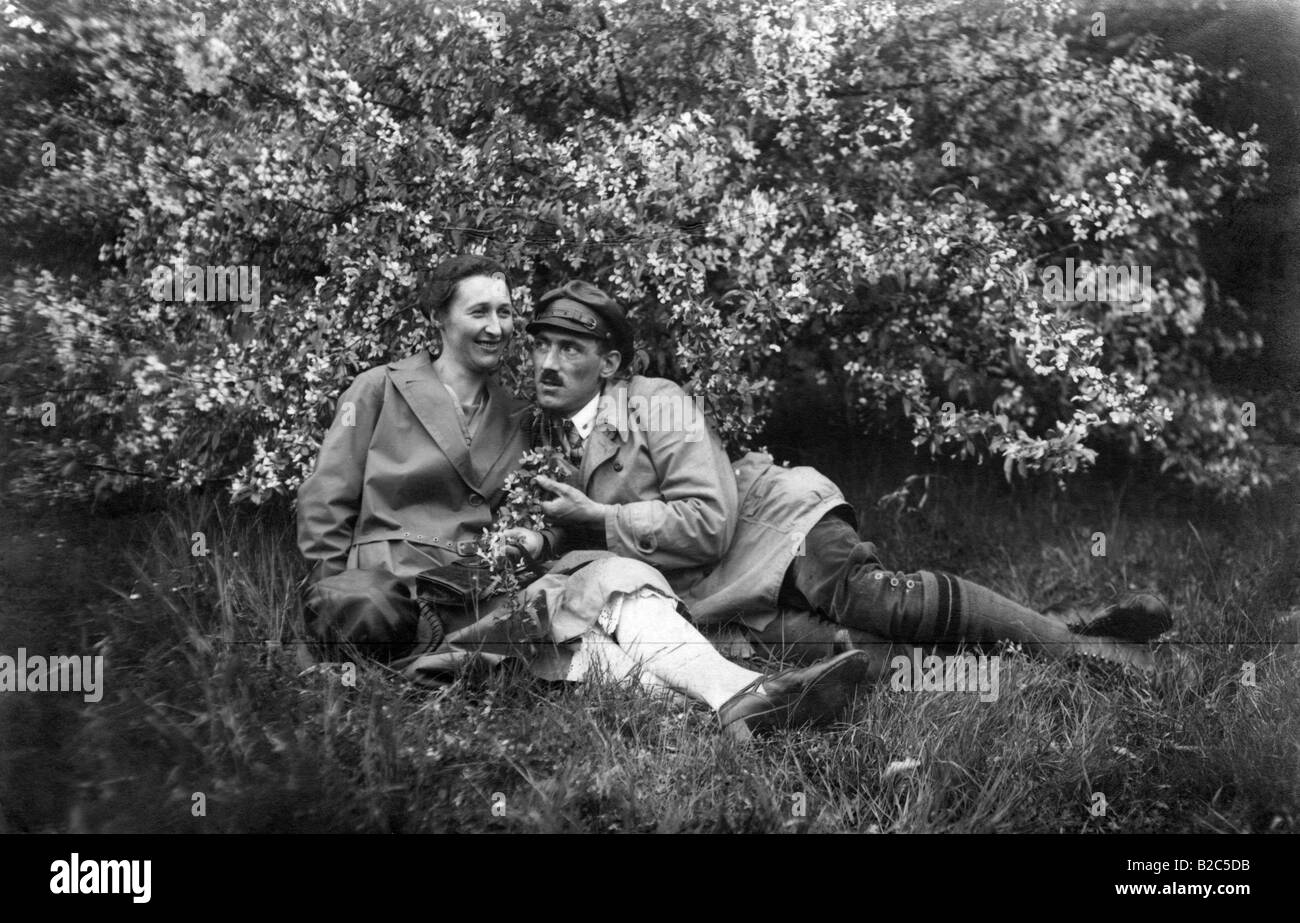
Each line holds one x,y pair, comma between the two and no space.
522,509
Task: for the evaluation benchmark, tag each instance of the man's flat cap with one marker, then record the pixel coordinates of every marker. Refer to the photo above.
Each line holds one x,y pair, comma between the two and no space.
582,308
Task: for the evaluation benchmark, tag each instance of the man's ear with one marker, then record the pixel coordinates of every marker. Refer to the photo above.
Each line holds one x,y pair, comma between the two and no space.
609,364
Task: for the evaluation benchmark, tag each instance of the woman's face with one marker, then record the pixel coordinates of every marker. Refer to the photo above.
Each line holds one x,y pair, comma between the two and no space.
478,323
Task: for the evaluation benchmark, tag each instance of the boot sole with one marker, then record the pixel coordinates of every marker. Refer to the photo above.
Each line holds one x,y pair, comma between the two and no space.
1125,653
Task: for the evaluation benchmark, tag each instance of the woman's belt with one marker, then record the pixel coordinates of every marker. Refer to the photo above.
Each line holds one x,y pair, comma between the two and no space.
462,548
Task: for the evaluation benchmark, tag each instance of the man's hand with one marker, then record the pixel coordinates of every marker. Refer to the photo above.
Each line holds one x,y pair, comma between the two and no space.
571,507
532,542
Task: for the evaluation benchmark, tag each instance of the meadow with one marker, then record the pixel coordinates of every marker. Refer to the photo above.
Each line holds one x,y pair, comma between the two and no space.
215,717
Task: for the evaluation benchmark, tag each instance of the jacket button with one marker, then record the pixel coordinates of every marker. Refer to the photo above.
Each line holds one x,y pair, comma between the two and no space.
475,500
618,466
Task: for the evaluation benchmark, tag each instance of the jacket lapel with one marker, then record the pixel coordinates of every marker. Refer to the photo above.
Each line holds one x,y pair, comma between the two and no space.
428,399
497,433
610,432
601,447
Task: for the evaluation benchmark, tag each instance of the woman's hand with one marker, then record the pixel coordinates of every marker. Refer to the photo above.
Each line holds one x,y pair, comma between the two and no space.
571,507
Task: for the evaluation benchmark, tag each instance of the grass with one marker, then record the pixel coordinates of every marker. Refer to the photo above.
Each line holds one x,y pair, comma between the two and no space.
208,694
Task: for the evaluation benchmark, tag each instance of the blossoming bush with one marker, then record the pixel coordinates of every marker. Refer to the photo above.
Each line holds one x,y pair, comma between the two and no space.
869,192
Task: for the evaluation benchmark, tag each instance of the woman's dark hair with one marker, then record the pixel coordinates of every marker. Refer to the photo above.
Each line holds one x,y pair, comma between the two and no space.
437,286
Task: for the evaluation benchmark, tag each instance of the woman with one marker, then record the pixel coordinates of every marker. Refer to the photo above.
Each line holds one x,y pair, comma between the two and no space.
414,463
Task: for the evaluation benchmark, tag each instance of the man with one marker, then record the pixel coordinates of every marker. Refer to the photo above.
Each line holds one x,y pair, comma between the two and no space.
774,551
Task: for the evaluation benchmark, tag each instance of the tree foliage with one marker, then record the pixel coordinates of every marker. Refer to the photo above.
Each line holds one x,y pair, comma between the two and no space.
867,191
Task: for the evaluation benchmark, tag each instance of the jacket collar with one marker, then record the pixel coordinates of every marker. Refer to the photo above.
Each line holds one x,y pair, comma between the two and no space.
612,412
418,382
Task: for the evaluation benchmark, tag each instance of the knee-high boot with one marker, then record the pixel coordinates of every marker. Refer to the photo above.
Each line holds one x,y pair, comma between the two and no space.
932,607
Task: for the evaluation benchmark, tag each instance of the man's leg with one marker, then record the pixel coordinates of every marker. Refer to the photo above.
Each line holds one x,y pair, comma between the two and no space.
600,656
843,579
803,636
652,634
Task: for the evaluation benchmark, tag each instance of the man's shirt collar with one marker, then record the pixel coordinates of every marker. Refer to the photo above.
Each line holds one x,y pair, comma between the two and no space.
584,421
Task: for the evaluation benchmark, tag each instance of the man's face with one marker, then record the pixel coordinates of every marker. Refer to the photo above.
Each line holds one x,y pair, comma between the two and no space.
568,370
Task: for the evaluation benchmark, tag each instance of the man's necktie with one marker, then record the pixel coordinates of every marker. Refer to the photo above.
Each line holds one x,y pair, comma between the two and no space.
572,443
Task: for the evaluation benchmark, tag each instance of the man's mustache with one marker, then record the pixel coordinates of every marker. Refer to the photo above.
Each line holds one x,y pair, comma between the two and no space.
550,379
